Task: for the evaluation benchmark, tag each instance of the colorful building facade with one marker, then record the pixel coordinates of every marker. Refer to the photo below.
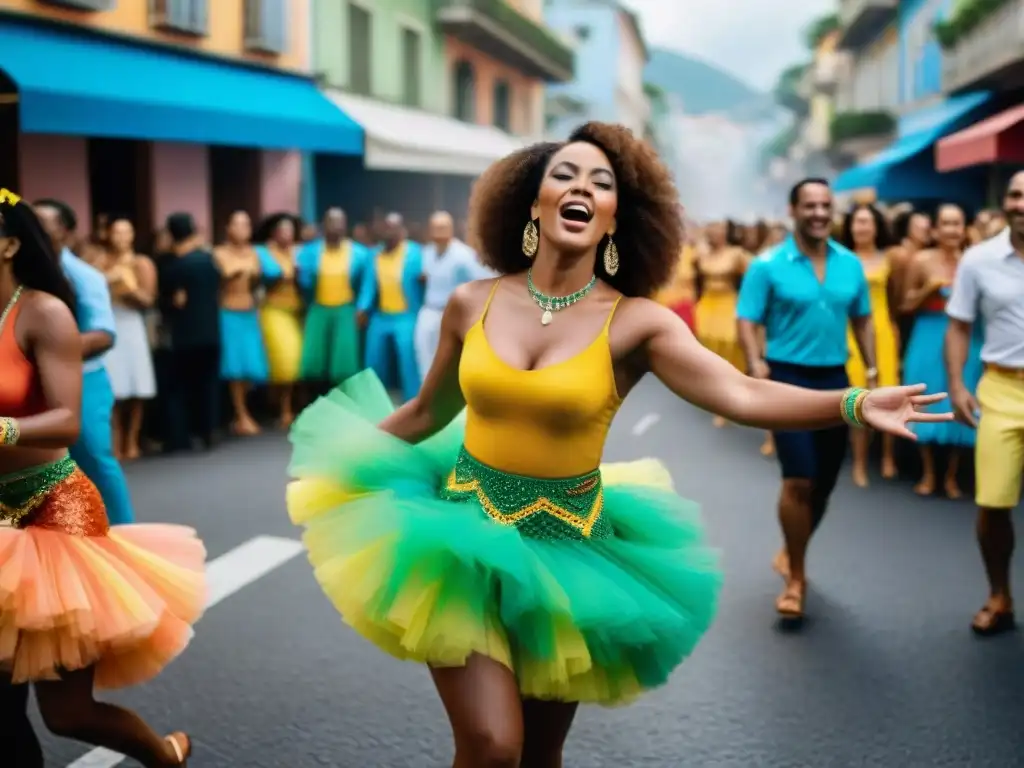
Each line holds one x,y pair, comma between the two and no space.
611,54
201,107
442,88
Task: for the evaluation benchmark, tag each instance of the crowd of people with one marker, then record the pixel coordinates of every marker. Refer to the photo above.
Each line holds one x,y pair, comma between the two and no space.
916,319
473,528
909,258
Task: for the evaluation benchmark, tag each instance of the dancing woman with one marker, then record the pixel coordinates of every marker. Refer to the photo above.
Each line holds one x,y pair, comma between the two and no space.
82,605
498,550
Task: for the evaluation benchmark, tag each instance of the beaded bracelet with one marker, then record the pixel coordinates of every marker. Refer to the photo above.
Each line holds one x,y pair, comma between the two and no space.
9,432
852,406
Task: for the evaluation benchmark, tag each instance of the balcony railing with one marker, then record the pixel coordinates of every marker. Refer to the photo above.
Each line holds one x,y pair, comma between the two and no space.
862,21
856,134
990,53
506,34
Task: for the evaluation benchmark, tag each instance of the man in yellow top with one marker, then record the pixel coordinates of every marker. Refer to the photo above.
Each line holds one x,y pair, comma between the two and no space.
330,271
390,296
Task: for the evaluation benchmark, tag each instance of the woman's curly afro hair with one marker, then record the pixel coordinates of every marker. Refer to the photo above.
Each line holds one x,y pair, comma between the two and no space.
649,227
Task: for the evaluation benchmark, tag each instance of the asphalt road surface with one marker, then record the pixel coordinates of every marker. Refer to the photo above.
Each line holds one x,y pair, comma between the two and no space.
886,672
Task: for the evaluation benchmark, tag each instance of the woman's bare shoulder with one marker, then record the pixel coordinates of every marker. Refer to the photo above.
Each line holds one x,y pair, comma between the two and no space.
46,316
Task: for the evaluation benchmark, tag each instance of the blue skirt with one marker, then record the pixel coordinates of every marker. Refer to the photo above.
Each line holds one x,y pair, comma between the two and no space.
924,363
242,354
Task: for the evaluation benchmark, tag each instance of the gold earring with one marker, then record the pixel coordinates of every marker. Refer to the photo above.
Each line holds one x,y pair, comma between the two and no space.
531,239
611,257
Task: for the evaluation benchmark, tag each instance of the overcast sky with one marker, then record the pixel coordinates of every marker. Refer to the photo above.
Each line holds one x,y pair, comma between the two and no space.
753,39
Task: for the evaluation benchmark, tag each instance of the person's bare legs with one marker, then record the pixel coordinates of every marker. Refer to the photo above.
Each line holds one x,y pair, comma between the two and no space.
69,710
546,726
133,429
996,539
485,711
20,743
889,468
860,442
796,520
951,484
926,485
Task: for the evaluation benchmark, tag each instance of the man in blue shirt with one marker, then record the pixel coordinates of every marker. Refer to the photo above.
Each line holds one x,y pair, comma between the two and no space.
94,451
803,293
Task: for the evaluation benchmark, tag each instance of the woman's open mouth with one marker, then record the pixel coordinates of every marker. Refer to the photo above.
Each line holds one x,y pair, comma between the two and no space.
575,216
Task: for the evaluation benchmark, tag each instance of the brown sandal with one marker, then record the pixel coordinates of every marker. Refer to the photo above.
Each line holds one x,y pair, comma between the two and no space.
989,622
790,604
181,753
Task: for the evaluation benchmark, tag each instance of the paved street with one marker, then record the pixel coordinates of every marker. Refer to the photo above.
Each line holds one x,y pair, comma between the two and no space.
886,674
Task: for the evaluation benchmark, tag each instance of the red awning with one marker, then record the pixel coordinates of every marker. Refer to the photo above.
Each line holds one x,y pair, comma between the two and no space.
999,139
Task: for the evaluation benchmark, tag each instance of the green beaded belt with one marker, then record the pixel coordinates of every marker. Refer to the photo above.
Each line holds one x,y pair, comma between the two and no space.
564,508
21,492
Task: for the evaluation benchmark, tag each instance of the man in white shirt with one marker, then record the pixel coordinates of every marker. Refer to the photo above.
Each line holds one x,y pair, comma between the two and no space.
989,289
447,263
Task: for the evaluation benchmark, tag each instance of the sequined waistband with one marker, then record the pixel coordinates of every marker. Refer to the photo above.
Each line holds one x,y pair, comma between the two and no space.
22,491
564,508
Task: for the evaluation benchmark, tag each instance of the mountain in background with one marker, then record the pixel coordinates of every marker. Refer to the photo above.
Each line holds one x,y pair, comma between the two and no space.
702,88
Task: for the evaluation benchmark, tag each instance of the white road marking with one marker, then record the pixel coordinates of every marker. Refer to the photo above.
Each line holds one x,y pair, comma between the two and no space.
225,576
645,423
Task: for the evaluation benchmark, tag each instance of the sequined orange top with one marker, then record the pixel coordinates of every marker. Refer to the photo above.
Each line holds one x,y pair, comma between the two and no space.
21,392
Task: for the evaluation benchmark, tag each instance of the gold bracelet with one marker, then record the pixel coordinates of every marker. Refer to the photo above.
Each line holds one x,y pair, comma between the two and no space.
858,408
9,431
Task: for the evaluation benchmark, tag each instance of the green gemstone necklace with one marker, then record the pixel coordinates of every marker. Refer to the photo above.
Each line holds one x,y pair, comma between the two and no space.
9,307
552,304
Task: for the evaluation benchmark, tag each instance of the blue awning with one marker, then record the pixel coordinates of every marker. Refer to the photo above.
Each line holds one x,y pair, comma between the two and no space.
918,135
87,85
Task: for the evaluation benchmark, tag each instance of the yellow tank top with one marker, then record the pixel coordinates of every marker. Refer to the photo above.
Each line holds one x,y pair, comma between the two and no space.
390,268
284,294
548,423
333,282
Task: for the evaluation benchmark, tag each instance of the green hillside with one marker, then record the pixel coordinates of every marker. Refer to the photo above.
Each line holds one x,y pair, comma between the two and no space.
701,87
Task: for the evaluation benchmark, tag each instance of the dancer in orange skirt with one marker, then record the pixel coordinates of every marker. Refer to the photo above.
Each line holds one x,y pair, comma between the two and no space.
82,605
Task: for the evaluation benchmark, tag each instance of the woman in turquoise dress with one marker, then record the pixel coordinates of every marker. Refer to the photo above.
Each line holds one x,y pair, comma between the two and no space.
928,283
495,547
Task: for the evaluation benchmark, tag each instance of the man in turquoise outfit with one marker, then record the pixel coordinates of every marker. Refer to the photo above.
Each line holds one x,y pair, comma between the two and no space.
390,297
94,451
330,271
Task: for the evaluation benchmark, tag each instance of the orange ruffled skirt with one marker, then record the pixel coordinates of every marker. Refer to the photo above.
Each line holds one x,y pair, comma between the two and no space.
76,593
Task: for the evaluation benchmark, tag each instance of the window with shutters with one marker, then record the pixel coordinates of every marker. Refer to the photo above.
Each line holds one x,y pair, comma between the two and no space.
464,92
83,5
189,16
266,25
502,105
411,69
360,49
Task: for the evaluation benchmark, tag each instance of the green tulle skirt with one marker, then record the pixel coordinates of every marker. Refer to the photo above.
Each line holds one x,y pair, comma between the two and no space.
429,570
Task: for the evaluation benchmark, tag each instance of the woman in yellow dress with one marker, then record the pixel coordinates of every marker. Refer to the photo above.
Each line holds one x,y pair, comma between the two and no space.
866,233
680,294
720,266
281,314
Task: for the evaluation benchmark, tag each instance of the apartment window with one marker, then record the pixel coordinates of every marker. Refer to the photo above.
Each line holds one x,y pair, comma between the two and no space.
360,49
464,92
83,5
266,25
502,105
411,53
582,33
188,16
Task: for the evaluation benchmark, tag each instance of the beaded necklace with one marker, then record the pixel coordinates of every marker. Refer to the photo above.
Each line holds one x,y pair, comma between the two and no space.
9,307
552,304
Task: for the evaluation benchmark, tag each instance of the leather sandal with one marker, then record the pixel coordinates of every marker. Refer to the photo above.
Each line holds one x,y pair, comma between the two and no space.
989,622
181,753
790,604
